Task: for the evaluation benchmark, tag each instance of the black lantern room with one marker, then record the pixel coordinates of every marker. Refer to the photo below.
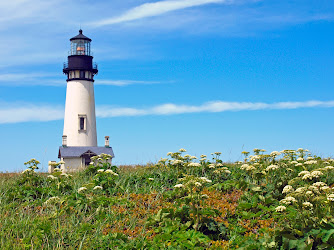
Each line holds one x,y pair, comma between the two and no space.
80,61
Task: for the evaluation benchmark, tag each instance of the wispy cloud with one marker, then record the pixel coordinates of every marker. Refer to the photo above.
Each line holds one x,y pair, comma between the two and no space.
209,107
154,9
31,79
122,83
23,112
37,113
49,79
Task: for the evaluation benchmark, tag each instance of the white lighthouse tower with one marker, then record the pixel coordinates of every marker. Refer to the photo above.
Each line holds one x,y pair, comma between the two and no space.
79,135
80,120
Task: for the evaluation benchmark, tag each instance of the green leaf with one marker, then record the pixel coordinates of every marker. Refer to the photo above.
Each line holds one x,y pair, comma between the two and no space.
245,205
327,235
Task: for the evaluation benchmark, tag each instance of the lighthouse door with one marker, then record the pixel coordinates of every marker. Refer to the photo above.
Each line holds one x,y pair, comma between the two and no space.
86,157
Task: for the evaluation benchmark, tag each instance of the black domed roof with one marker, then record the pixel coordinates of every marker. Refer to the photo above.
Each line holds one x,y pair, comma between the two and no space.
81,37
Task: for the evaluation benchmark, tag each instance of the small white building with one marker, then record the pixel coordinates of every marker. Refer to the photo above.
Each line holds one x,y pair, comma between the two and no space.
79,135
77,158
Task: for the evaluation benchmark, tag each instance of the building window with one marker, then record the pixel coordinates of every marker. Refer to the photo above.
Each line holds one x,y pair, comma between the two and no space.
82,74
82,123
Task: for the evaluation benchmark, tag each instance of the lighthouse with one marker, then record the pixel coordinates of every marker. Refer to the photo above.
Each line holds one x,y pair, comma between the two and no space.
79,141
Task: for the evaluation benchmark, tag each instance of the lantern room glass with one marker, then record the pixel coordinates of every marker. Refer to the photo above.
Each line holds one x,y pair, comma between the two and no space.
80,47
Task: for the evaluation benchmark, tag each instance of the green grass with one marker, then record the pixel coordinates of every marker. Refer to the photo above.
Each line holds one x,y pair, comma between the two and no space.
140,207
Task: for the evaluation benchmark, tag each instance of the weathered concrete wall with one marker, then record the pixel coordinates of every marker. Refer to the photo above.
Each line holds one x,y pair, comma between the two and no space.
72,164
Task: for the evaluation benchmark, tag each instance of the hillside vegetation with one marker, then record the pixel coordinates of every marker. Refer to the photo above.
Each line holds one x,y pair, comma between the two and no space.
281,200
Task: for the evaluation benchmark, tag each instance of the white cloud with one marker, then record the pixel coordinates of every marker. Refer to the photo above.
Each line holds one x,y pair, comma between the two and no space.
209,107
31,79
49,79
29,113
122,83
37,113
154,9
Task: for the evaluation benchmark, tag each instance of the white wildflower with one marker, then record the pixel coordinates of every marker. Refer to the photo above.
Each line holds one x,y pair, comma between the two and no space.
26,171
310,162
97,188
300,190
329,167
324,188
288,200
52,177
309,193
280,209
205,179
100,170
275,153
182,150
204,196
151,179
294,162
303,173
299,164
82,189
307,204
203,156
271,167
316,174
244,166
212,165
287,189
179,186
300,159
330,197
198,184
175,162
194,164
319,184
250,168
314,189
307,177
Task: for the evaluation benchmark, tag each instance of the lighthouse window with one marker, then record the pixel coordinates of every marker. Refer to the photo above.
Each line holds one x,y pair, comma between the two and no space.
82,74
82,122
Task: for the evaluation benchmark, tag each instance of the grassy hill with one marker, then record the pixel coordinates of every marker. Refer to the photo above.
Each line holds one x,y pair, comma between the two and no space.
281,200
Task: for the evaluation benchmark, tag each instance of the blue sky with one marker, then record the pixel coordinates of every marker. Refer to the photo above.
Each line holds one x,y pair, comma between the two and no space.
205,75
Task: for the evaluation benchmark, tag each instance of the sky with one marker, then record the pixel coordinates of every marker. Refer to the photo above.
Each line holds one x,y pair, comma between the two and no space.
204,75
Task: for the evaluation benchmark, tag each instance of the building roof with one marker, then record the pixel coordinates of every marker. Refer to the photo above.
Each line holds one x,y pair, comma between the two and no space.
81,37
68,152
